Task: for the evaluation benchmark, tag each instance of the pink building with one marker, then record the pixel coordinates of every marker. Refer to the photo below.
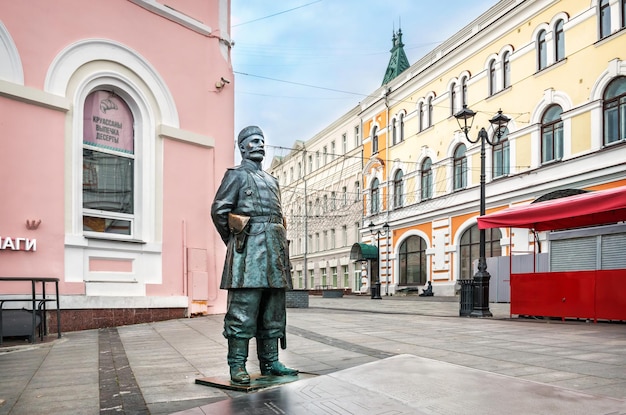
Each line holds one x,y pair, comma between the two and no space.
117,125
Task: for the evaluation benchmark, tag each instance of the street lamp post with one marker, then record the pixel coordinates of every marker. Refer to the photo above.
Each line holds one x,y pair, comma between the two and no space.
465,118
378,232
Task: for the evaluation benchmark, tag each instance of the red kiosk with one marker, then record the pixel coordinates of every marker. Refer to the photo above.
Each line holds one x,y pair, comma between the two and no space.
591,294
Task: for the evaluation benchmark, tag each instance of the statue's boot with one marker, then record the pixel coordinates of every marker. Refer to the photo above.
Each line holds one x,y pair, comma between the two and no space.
267,350
237,357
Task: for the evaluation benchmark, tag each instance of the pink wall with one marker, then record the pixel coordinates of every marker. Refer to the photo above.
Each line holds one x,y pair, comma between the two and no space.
31,165
32,159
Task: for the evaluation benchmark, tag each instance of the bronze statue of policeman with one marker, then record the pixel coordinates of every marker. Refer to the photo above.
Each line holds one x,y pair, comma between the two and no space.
248,215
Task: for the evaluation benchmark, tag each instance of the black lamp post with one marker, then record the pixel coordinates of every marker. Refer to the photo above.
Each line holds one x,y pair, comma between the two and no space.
465,118
378,232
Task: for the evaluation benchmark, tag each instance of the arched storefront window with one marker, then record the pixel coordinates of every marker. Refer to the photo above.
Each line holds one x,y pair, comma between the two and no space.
470,248
108,190
412,261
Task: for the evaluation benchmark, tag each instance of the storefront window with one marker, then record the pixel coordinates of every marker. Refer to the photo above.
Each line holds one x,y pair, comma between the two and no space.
108,165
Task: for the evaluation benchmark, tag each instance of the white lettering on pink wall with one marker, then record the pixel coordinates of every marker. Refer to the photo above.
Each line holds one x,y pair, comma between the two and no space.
18,244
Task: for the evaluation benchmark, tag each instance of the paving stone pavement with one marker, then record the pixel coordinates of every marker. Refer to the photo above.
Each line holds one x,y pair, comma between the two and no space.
155,365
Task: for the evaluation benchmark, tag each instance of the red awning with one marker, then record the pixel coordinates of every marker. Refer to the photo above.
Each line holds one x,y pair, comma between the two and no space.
587,209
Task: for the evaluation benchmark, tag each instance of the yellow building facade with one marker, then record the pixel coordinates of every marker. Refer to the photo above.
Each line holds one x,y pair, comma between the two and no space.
554,68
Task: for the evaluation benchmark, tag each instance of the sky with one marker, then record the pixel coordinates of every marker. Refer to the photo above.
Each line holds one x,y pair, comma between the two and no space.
301,64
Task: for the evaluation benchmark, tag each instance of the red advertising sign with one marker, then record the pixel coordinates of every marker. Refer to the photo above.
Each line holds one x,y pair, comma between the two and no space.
108,122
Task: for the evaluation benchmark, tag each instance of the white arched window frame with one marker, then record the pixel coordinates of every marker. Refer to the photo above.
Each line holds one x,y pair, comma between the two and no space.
457,140
550,97
375,196
542,44
615,68
421,105
504,63
374,135
464,79
429,109
426,179
559,40
506,69
459,167
454,102
11,69
398,188
395,255
605,25
144,177
492,74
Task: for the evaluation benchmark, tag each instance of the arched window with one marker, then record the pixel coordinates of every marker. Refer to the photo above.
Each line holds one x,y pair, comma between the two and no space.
375,139
460,168
500,152
375,199
559,41
394,132
542,50
552,134
470,248
430,112
108,190
463,91
493,87
398,189
401,127
427,179
412,261
615,111
506,69
453,103
604,18
420,110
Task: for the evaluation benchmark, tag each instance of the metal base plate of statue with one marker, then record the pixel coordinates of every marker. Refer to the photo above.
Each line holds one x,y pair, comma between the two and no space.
411,385
257,382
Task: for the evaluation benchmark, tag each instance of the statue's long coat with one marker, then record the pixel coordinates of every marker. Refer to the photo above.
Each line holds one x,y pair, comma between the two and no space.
264,263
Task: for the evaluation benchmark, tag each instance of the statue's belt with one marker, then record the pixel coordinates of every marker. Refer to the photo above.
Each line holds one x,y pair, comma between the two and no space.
266,219
239,223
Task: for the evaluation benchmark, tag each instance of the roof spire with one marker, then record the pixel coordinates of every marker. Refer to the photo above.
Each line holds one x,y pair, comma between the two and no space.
398,61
